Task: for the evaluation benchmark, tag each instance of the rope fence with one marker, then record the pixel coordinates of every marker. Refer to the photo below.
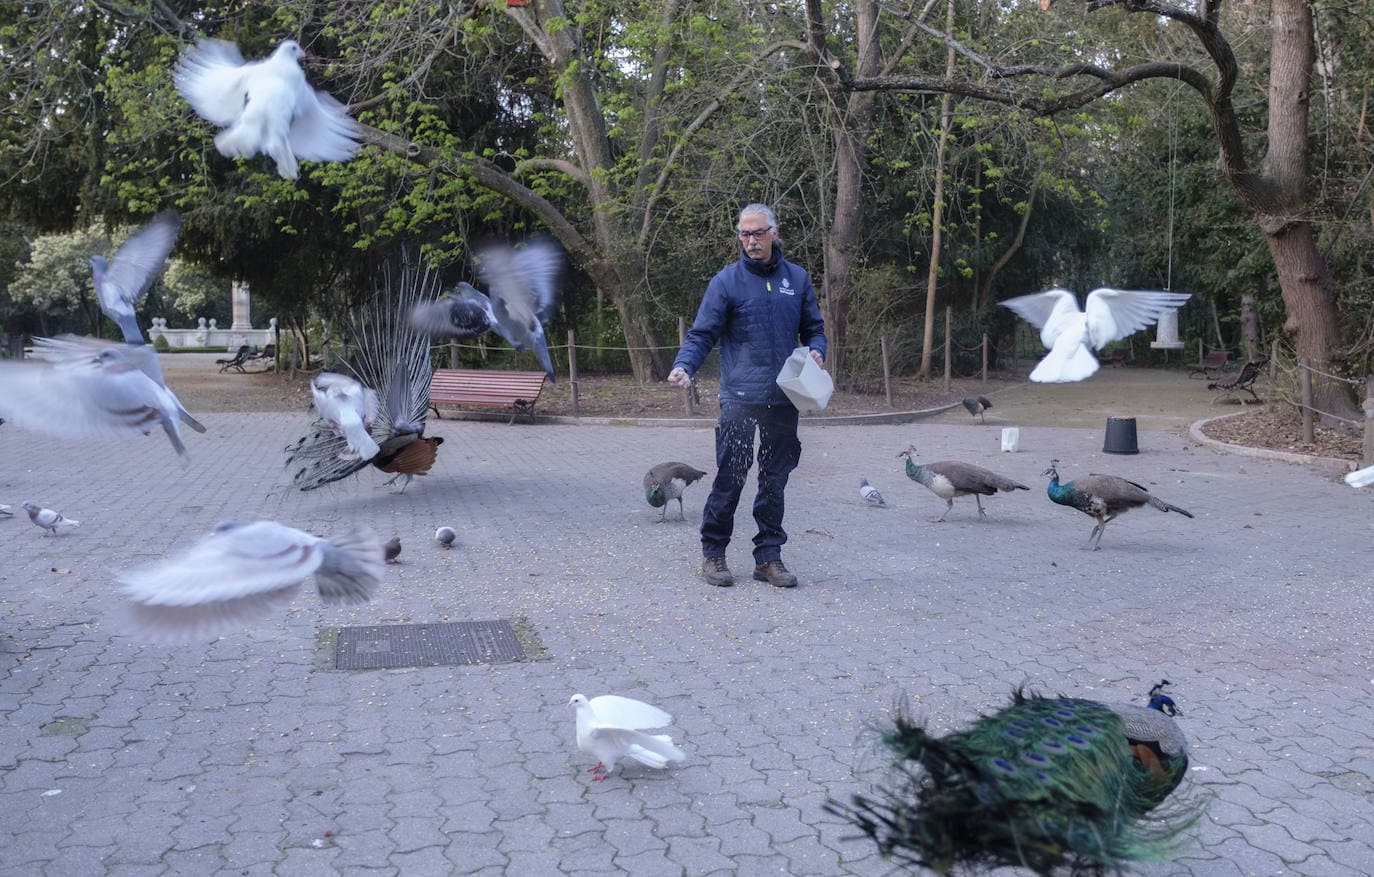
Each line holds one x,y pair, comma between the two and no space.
1292,379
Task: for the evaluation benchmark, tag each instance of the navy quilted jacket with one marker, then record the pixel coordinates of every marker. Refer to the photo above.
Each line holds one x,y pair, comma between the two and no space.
759,313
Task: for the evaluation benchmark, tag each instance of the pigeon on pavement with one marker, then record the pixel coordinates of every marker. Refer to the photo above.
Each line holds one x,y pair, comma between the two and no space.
265,106
242,570
1071,335
47,518
445,536
976,405
523,288
349,408
612,727
392,548
89,388
870,493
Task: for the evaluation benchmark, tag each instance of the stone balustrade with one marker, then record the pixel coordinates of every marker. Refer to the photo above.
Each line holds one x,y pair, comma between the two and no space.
208,334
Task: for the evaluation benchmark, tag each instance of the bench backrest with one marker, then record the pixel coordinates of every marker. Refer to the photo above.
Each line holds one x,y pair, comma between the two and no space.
495,385
1216,359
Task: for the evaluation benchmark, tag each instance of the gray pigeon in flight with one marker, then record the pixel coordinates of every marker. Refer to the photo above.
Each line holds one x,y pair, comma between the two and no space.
47,518
89,388
265,106
122,283
245,569
523,295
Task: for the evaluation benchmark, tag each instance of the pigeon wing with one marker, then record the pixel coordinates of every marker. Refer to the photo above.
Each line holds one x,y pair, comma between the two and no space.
466,315
653,750
1048,311
321,129
1115,313
540,265
212,77
626,712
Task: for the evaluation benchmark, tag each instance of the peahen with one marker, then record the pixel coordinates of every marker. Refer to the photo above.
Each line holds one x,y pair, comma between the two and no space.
389,355
1103,497
1052,784
667,481
950,478
976,405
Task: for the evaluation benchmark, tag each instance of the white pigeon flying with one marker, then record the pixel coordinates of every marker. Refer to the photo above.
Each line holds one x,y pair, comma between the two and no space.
870,493
89,388
120,284
242,570
612,727
350,409
47,518
1360,477
1072,335
265,106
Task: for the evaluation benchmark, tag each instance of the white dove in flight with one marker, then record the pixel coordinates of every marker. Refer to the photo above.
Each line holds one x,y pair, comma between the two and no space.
1072,335
348,407
612,727
265,106
242,570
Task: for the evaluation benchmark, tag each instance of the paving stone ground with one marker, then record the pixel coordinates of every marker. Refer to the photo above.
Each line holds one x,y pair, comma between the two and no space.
248,755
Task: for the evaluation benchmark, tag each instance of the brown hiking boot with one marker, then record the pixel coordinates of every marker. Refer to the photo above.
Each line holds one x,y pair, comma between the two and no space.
716,572
775,574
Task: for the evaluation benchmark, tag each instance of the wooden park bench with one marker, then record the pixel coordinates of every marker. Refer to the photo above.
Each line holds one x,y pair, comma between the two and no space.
1214,361
268,353
237,360
1115,357
486,388
1243,380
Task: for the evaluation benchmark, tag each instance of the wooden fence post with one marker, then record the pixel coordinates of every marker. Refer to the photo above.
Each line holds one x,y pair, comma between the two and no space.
1305,382
688,397
452,353
985,357
1273,361
572,369
949,317
887,373
1369,421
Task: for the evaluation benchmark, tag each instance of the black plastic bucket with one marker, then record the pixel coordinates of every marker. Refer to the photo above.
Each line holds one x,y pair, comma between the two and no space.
1120,436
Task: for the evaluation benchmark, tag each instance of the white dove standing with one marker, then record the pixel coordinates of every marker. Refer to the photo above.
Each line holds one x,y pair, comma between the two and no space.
242,570
870,493
265,106
47,518
1072,335
89,388
348,407
612,727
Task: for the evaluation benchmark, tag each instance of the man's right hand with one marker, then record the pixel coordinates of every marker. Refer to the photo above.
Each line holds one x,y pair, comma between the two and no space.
678,377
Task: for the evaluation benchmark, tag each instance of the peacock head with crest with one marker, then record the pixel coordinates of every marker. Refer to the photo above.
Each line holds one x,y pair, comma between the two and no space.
1163,702
656,496
910,455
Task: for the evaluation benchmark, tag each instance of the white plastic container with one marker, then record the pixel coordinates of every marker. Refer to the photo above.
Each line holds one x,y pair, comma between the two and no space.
808,385
1011,439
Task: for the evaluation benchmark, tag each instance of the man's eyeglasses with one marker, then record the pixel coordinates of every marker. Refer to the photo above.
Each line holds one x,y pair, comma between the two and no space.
746,234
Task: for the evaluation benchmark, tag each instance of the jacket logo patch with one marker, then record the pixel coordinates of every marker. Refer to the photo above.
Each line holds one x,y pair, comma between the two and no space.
786,288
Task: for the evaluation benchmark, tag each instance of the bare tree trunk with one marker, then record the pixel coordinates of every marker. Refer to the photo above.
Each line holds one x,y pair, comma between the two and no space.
938,213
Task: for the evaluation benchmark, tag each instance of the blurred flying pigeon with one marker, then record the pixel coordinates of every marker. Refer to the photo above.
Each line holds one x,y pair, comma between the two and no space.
1360,477
265,106
392,549
1072,335
445,536
612,727
667,481
47,518
976,405
523,286
349,408
242,570
870,493
119,285
89,388
5,510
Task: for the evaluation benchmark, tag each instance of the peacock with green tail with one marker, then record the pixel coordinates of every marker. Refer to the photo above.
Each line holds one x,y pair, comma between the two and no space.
1053,784
950,478
1103,497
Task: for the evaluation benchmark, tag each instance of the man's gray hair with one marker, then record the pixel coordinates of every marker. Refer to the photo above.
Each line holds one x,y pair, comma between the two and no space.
757,208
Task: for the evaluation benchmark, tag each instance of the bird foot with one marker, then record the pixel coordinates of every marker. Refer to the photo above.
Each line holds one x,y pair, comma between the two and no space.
596,768
601,778
939,520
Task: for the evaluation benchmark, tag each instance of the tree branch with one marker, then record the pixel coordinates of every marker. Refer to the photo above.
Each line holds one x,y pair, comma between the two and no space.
555,164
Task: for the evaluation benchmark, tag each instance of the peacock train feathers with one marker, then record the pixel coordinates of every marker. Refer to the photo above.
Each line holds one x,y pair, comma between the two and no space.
390,358
1053,784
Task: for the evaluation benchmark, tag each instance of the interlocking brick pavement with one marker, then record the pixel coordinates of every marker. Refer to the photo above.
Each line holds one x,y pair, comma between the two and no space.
248,755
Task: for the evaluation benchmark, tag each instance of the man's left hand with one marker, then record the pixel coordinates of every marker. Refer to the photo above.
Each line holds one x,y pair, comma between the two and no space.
816,355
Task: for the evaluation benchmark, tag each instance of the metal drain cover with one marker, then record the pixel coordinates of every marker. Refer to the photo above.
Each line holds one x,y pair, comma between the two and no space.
388,646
